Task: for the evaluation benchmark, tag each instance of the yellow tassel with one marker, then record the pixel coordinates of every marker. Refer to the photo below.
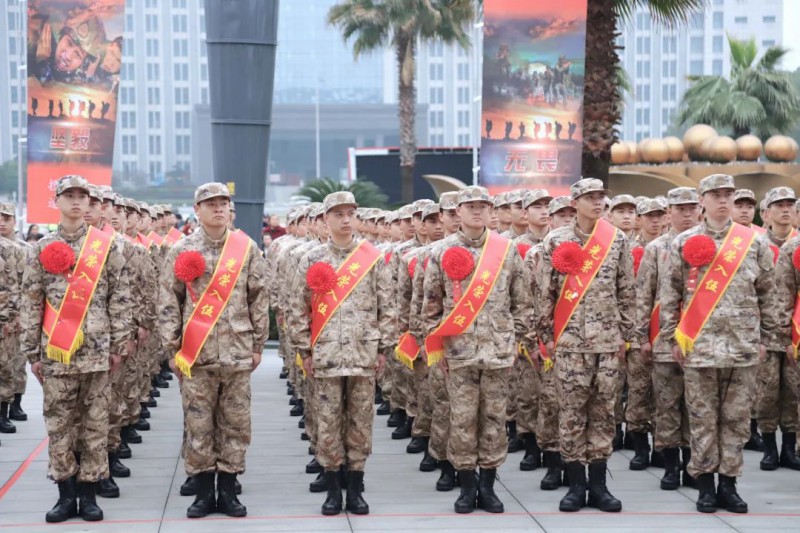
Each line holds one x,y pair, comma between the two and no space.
548,365
684,342
65,356
404,358
435,357
299,362
183,365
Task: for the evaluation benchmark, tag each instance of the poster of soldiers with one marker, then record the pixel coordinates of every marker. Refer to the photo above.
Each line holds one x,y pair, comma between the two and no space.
74,62
533,72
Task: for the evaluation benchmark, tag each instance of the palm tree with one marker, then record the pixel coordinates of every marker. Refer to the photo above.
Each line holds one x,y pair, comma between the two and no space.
756,96
367,194
399,24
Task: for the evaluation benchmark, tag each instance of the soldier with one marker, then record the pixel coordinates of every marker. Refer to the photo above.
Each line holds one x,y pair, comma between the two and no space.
717,303
652,214
671,434
81,343
339,323
503,212
776,394
475,311
585,318
519,215
623,214
214,279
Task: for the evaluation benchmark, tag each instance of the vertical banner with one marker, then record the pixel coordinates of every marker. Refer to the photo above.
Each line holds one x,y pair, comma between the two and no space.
74,61
533,76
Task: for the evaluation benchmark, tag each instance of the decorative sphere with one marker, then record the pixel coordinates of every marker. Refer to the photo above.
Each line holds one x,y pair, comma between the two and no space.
694,138
780,149
620,153
675,149
722,150
656,151
704,151
748,148
634,156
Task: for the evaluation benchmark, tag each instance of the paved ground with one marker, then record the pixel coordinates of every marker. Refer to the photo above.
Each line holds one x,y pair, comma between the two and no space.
401,497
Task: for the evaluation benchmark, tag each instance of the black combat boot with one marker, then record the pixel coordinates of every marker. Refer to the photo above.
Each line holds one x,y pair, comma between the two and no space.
378,395
789,452
319,484
616,444
469,492
284,374
313,467
428,463
67,505
403,431
130,435
298,409
417,445
770,461
142,425
447,480
727,497
301,424
87,502
628,443
205,502
6,426
107,488
384,409
355,502
514,442
289,390
396,419
657,459
159,382
672,469
707,497
599,496
144,411
304,436
487,498
688,480
575,498
227,502
166,372
533,454
124,450
333,503
16,413
189,487
154,393
116,468
641,457
151,401
755,443
552,479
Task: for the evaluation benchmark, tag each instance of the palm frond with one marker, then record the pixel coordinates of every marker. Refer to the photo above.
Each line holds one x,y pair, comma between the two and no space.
668,13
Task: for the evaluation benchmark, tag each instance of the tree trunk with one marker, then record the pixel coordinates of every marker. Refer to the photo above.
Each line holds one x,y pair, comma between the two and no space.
739,131
601,100
407,96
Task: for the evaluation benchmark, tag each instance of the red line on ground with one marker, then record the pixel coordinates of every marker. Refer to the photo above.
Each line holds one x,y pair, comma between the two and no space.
23,467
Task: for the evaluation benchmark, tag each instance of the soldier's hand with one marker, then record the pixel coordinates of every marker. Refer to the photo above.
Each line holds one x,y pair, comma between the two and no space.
144,334
308,366
677,356
38,370
790,356
444,367
114,362
381,364
647,351
762,353
621,352
550,347
45,44
175,369
256,359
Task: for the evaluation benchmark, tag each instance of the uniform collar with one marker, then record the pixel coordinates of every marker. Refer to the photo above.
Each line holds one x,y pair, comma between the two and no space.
71,237
719,234
213,242
473,243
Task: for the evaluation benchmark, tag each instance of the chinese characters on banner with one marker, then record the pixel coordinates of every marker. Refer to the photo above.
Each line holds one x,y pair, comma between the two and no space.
74,61
533,77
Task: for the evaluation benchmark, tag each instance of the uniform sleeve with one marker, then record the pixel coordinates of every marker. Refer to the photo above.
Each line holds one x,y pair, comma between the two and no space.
765,290
785,295
626,293
6,314
119,301
670,293
548,290
646,292
258,299
404,293
32,308
521,301
417,296
169,307
11,259
298,314
433,299
385,303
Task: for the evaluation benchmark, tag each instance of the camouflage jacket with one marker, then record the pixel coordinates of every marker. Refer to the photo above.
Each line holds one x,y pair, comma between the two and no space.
107,326
393,268
15,258
144,283
243,327
651,272
283,271
787,284
512,235
491,340
295,255
533,263
409,289
273,256
745,315
357,330
9,282
605,317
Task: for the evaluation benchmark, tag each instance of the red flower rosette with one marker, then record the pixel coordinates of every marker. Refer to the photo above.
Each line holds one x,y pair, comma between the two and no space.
458,264
638,254
57,258
796,259
699,251
568,258
412,267
321,277
188,267
523,249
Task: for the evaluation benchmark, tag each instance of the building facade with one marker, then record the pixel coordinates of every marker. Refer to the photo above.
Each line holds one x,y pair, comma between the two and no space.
13,84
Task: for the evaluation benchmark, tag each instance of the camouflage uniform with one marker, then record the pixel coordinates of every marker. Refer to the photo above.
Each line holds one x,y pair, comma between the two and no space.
787,280
9,314
718,376
216,400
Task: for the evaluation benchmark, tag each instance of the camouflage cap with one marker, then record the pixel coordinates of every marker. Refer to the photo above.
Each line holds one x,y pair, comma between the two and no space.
405,212
419,205
515,196
381,215
448,200
291,215
338,198
168,209
107,192
232,206
558,203
797,205
158,211
762,205
302,211
370,213
650,205
72,181
745,195
586,186
8,209
211,190
316,209
780,193
715,182
95,192
429,210
474,193
500,199
663,201
391,217
682,196
622,199
531,197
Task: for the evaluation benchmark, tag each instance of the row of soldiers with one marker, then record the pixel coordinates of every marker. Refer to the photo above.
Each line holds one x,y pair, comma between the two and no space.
487,337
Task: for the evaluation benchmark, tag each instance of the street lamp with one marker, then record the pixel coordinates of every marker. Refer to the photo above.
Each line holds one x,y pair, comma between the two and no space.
22,145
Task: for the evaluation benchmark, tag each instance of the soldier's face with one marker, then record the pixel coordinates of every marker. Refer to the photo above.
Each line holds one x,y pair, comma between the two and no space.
653,223
322,229
395,231
537,214
69,55
519,216
341,220
744,212
590,205
214,212
504,215
93,214
416,222
474,215
563,217
132,221
73,203
494,220
118,218
434,228
685,216
407,228
623,217
718,204
106,211
781,212
7,225
451,220
302,227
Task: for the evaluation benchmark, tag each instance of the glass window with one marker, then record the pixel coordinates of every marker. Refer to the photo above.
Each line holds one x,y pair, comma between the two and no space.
769,19
766,43
698,21
696,45
665,69
696,67
740,20
716,67
14,94
719,20
717,44
673,92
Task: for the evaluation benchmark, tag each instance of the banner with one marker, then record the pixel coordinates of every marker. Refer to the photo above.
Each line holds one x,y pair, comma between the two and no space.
533,77
74,62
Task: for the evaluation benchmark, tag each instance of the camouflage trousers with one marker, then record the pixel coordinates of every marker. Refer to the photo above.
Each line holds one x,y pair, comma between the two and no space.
639,410
117,396
547,420
384,379
344,421
671,416
6,370
588,386
310,410
718,401
216,413
440,416
776,395
402,378
76,414
478,400
18,365
528,395
512,405
422,407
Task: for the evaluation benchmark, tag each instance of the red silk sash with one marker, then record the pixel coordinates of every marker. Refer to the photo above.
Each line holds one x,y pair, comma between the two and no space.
144,241
156,238
655,323
796,325
407,349
172,236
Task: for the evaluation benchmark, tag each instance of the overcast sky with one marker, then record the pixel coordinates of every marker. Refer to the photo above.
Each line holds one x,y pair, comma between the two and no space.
791,35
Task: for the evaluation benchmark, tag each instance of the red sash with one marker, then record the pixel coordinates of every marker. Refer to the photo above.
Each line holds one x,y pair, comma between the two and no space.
143,240
351,272
107,228
172,236
776,250
155,237
655,323
469,306
575,285
407,349
214,300
796,325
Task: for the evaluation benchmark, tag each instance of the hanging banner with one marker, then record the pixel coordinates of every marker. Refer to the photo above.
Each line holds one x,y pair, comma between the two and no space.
533,76
74,62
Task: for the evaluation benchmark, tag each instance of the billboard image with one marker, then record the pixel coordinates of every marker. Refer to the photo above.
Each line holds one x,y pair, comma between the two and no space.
533,78
74,61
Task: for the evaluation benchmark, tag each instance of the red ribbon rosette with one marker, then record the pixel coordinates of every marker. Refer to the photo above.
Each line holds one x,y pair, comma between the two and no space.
412,267
698,251
523,249
638,254
796,259
57,258
321,278
568,258
458,264
188,267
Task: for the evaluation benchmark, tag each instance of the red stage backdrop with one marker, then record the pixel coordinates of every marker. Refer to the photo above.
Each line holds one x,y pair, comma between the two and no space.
74,60
533,76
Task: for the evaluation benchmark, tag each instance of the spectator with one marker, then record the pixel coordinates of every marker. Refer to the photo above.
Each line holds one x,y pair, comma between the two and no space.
189,226
266,240
274,228
33,233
